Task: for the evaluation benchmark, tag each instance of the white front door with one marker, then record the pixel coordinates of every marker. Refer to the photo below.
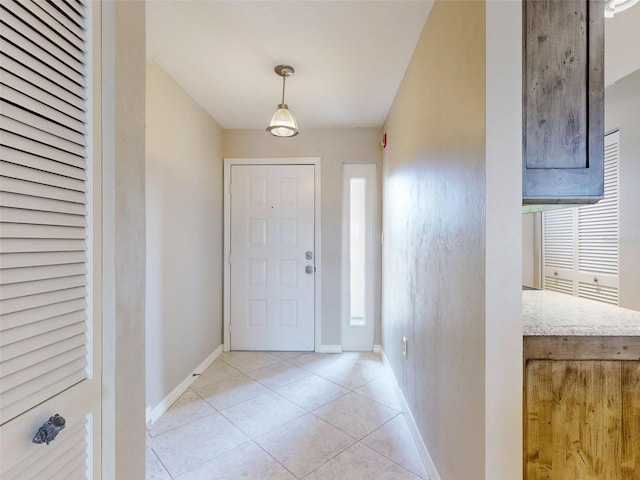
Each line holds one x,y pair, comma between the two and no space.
272,256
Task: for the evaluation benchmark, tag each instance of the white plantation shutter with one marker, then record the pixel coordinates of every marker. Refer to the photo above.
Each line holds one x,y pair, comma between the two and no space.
43,212
580,245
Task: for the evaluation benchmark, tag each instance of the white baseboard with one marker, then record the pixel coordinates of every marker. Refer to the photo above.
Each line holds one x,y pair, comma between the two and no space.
377,349
154,413
411,423
329,349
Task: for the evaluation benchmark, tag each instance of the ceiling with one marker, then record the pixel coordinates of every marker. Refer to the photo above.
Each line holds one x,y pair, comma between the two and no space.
349,55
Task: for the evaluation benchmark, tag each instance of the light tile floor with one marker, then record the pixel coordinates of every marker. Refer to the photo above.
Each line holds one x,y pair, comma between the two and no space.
285,416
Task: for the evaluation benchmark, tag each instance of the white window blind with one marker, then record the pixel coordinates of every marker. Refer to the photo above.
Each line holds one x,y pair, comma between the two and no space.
580,245
43,203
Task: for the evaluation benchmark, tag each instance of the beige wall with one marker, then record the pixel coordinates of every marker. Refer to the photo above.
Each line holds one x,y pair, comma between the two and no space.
622,107
434,237
452,230
184,235
123,237
334,147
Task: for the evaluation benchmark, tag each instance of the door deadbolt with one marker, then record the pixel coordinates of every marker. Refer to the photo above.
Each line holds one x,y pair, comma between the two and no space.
308,255
308,269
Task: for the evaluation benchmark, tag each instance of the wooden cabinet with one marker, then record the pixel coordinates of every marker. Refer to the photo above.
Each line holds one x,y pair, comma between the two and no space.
563,101
582,408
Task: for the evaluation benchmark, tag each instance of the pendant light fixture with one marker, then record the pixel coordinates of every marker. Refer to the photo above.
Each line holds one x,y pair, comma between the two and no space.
611,7
283,123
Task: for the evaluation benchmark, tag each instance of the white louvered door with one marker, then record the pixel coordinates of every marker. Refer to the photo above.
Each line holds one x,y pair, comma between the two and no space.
580,245
49,239
558,250
598,237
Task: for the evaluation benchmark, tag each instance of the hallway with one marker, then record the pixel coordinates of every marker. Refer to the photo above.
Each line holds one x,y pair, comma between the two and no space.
285,415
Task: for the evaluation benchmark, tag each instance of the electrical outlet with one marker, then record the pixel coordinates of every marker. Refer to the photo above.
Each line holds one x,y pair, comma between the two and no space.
404,346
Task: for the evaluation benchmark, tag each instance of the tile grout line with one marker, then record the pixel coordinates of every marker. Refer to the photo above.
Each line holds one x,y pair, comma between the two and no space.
385,456
272,390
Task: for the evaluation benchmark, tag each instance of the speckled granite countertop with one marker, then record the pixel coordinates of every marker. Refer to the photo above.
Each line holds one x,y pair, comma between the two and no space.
552,313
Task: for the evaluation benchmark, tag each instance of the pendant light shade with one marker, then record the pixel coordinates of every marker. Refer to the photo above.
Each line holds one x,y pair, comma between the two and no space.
611,7
283,123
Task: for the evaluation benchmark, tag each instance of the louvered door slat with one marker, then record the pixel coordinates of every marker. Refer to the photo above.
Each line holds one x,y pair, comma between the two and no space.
42,286
58,97
52,29
16,349
73,439
48,139
74,469
16,23
24,230
12,305
37,50
15,320
44,70
37,148
38,176
54,381
17,364
18,95
40,328
72,14
42,368
72,27
77,6
36,120
21,215
48,26
31,161
25,245
68,168
28,202
40,272
18,260
68,456
24,187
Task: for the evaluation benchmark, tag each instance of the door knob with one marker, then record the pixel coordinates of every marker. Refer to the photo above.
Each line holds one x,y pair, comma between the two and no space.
49,430
308,269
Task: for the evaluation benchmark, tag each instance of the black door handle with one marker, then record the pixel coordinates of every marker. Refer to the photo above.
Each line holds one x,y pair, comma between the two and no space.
49,430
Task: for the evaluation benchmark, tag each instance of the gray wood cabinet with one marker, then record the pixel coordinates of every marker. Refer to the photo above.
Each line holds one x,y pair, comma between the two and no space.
563,101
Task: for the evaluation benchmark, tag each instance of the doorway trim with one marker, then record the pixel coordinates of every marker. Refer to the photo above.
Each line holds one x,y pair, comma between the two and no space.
228,163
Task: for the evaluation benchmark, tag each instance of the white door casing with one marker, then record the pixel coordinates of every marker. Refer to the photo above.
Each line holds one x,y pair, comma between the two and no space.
271,275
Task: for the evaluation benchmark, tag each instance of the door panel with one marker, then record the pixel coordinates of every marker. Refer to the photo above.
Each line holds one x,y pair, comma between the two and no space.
272,229
50,355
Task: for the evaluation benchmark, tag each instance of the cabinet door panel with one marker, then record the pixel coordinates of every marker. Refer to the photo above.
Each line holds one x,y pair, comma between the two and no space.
563,96
582,419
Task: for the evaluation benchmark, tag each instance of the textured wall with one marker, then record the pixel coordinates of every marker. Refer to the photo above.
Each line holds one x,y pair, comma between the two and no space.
334,147
184,235
434,237
622,104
